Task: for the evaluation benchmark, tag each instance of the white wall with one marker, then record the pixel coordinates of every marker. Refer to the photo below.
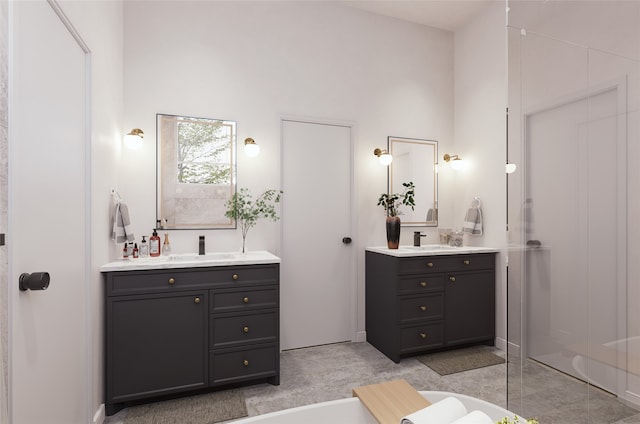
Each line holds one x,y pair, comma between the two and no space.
100,25
480,137
254,62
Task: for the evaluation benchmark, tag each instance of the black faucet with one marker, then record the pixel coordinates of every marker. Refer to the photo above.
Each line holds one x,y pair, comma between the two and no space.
416,238
201,245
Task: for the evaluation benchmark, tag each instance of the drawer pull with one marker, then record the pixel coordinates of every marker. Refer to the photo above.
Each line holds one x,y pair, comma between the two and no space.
245,329
172,280
245,363
423,336
452,278
423,308
429,264
196,300
234,277
245,299
423,284
466,262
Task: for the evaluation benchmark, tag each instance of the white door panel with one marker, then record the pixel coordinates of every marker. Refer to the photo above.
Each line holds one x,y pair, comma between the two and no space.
316,274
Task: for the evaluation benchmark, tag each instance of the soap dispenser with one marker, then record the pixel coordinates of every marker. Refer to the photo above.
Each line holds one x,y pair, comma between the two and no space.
144,248
166,247
154,244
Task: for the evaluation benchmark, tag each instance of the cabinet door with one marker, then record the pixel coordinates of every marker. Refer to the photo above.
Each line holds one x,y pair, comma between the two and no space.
469,307
156,344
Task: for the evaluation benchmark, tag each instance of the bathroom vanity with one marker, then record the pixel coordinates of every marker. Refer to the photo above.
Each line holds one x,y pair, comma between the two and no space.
181,323
421,299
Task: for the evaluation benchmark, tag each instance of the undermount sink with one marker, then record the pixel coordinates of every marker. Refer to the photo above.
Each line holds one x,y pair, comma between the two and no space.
430,247
190,257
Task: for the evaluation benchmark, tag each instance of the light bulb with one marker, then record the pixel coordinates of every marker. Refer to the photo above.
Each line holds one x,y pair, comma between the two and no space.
386,159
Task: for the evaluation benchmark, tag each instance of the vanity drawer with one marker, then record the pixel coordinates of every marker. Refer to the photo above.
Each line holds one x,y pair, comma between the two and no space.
237,329
245,364
417,338
422,264
418,308
421,284
227,300
134,282
469,262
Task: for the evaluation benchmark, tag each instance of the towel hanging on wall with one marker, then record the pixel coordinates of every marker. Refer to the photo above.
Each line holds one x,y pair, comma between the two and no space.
122,231
473,219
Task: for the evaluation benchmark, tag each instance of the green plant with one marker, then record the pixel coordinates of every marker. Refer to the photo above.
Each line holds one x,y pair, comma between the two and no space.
246,211
392,202
515,420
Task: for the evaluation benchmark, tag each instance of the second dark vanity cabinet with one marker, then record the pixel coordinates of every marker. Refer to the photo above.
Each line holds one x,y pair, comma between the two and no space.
418,304
177,330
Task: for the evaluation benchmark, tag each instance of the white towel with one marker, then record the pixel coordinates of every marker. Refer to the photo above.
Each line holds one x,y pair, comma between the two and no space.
447,410
473,219
121,224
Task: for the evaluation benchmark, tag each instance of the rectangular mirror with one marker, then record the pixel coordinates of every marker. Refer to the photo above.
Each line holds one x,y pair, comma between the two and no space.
415,160
196,172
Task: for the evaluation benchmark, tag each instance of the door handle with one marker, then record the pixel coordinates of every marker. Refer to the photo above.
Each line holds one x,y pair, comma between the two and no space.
346,240
534,243
34,281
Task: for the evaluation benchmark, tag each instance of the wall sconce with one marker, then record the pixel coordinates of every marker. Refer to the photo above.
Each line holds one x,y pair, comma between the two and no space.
384,157
251,148
510,168
133,140
456,161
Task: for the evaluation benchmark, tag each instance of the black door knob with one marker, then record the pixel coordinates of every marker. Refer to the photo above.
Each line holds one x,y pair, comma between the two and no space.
34,281
346,240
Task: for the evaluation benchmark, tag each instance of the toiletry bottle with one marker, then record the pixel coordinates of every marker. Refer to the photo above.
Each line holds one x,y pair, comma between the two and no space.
125,252
135,251
144,248
154,244
166,247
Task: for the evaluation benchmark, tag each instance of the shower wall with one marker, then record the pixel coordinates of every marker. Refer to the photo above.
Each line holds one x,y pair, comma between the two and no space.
580,286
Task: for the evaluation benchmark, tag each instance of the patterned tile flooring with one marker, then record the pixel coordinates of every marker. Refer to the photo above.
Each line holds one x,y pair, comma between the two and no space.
329,372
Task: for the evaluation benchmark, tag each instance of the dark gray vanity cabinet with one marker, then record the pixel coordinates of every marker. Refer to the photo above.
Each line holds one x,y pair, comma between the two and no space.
419,304
183,329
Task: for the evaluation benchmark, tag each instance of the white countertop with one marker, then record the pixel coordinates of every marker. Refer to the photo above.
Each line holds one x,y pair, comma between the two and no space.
430,250
191,260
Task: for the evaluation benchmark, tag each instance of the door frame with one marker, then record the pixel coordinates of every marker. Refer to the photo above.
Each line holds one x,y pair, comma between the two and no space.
353,278
620,87
91,416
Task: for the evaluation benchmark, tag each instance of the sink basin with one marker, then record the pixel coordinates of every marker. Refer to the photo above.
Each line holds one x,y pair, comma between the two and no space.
194,257
430,247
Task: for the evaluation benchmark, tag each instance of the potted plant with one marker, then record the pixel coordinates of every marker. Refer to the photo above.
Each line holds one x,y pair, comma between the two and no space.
391,204
246,211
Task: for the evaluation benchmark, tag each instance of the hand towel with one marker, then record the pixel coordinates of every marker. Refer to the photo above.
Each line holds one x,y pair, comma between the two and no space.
445,411
474,417
121,224
473,219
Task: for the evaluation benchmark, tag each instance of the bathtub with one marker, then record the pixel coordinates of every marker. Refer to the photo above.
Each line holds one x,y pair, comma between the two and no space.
352,411
601,372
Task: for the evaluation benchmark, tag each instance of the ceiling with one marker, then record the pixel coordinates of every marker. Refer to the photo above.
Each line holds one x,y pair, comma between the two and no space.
444,14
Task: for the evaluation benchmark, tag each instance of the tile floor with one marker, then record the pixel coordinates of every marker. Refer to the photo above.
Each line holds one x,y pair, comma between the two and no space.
329,372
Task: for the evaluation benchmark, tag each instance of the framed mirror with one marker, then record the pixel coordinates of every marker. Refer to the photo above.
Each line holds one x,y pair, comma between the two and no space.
196,172
415,160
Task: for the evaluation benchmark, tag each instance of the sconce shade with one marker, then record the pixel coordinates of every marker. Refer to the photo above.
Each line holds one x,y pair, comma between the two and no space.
133,140
455,161
384,157
510,168
251,148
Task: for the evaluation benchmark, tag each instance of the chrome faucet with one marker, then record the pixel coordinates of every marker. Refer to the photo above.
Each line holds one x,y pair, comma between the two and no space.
416,238
201,245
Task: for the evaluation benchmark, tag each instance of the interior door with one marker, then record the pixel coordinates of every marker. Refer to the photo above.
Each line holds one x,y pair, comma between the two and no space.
317,302
574,157
47,213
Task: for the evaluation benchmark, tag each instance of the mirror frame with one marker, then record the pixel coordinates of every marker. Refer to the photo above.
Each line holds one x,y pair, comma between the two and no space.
394,180
207,201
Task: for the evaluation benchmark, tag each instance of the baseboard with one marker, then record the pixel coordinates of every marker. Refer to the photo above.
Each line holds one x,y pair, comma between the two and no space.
632,398
502,344
361,336
99,416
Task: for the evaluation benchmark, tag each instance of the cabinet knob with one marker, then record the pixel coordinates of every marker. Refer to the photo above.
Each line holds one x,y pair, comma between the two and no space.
234,277
423,336
466,262
245,299
423,308
172,280
245,329
452,278
423,284
245,363
196,300
429,264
